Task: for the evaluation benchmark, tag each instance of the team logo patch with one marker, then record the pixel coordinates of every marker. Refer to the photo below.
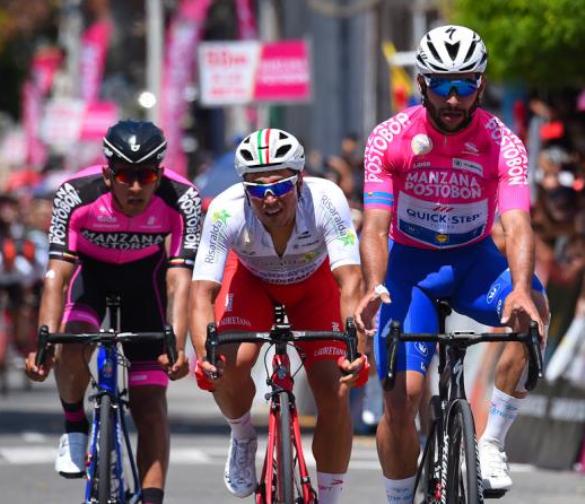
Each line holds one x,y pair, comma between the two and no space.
421,348
421,144
493,292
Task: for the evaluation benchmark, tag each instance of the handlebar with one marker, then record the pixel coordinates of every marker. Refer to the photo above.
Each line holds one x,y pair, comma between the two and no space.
280,333
464,339
105,337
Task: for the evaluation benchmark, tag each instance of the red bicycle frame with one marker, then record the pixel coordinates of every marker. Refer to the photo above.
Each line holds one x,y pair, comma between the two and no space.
282,380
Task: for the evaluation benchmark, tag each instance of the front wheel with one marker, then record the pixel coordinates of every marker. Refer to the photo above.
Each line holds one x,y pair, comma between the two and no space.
284,454
104,462
463,476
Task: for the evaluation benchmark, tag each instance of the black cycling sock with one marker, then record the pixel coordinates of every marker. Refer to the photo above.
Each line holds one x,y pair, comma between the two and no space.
75,419
152,495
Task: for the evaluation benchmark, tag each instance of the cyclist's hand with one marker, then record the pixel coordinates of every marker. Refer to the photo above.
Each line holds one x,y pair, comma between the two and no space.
206,375
519,309
179,369
366,311
37,373
355,373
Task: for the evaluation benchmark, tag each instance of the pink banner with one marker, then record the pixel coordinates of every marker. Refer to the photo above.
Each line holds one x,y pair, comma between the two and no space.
246,20
284,73
98,117
44,65
94,49
31,119
179,66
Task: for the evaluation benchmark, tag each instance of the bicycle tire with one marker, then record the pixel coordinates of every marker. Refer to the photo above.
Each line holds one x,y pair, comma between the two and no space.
462,488
426,482
104,467
284,473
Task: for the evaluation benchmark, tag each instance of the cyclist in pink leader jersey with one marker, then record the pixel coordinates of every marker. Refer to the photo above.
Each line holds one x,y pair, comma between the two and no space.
108,233
435,175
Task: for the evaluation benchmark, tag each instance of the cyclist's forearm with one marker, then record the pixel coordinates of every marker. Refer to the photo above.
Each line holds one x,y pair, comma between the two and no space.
178,283
52,301
201,315
519,249
374,256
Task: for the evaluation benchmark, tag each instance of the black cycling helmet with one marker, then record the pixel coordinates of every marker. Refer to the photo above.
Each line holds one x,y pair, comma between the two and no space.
134,142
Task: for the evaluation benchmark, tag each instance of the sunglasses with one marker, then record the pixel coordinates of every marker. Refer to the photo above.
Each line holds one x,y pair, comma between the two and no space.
144,177
277,189
443,87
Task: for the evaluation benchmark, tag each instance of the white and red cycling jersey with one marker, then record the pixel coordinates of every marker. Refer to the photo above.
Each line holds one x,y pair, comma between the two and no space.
444,190
323,229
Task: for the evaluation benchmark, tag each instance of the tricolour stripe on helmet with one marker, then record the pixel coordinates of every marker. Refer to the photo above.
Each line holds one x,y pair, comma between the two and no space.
267,141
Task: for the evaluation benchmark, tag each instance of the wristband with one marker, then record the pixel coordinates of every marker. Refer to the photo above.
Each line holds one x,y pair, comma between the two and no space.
381,289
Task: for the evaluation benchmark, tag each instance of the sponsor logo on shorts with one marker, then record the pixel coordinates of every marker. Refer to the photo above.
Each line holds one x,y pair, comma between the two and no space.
335,326
493,292
421,348
237,321
229,302
328,350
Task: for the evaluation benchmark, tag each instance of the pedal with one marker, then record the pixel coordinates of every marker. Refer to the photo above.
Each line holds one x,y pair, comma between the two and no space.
493,494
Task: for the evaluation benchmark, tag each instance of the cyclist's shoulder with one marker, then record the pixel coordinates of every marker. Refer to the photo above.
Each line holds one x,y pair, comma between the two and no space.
177,191
399,125
81,188
493,127
227,204
320,190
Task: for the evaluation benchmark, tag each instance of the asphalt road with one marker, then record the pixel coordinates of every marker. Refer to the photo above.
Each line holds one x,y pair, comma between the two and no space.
31,423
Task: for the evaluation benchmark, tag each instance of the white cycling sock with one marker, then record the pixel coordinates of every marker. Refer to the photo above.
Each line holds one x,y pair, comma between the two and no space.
503,412
330,487
242,428
400,491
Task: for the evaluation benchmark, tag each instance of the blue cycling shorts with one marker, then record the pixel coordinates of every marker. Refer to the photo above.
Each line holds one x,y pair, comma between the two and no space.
475,279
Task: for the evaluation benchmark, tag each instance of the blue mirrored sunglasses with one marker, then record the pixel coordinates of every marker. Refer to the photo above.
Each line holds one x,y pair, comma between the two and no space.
277,189
443,87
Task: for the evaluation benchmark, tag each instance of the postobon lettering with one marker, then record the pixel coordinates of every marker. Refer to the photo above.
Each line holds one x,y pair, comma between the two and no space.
190,205
66,199
378,143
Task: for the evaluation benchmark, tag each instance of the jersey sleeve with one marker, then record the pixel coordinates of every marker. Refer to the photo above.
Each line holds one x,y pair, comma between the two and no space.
513,189
340,236
378,190
185,222
215,243
65,222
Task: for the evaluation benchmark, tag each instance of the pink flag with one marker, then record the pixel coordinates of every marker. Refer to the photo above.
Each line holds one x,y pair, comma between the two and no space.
246,20
94,49
31,119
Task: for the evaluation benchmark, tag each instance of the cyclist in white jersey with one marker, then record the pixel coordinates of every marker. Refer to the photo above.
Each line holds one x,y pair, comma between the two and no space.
279,238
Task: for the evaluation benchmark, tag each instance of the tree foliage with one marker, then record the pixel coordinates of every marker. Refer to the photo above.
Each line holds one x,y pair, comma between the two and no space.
541,42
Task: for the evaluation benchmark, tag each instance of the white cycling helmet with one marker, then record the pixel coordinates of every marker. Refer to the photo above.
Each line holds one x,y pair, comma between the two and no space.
269,149
451,49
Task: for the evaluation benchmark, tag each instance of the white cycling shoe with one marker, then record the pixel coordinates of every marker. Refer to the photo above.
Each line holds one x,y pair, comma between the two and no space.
495,471
70,462
240,467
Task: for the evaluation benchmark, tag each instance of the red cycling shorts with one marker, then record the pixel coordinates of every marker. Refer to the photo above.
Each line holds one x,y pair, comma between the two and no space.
246,303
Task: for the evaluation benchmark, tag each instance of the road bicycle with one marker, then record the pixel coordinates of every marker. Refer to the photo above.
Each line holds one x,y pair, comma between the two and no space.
449,472
109,444
284,478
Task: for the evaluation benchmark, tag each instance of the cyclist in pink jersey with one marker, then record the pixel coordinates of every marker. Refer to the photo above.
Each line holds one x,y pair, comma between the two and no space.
278,237
435,175
130,228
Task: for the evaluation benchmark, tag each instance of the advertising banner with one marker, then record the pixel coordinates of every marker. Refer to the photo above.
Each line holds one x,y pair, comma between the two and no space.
182,39
94,48
236,73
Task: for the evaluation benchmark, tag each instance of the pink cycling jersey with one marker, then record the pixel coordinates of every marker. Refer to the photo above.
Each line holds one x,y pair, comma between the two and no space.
86,222
444,190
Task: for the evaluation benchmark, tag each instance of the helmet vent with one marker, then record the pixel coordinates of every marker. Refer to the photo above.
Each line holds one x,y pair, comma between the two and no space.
470,51
281,151
246,155
452,49
282,136
431,47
